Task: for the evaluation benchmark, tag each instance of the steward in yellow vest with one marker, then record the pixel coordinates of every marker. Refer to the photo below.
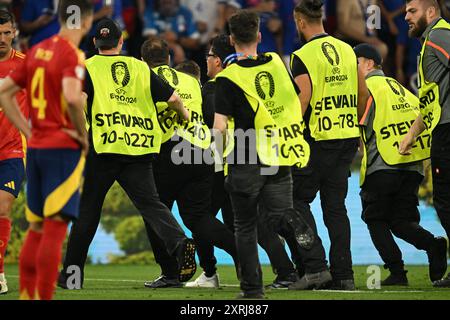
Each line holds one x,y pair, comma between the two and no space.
334,83
427,24
122,117
325,70
124,138
434,93
390,182
180,174
391,111
278,123
259,94
188,88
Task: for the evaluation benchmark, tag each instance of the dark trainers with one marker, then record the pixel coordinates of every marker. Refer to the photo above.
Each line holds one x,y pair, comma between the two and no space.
283,282
344,285
186,260
319,280
163,282
437,258
443,283
303,233
250,295
396,279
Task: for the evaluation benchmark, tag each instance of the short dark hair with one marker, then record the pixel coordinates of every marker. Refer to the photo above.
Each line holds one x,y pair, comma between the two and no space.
6,16
155,52
189,67
86,8
310,9
429,3
221,46
244,26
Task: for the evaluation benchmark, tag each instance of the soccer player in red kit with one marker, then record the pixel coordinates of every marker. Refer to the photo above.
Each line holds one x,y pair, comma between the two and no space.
12,170
57,141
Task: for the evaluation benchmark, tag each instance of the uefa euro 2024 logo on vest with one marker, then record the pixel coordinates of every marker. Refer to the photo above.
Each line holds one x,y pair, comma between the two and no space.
332,56
397,89
168,75
120,75
265,88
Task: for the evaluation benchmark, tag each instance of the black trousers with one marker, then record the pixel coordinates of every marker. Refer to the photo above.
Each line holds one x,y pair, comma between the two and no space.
441,189
267,239
389,201
191,187
327,172
136,178
248,189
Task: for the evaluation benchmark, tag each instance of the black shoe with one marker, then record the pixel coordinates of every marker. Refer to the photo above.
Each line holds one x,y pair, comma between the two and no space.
163,282
319,280
250,295
283,282
344,285
186,260
443,283
396,279
63,279
303,233
437,258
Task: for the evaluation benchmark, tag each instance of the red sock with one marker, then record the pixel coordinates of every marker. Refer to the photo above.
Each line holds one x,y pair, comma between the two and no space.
49,257
5,231
27,265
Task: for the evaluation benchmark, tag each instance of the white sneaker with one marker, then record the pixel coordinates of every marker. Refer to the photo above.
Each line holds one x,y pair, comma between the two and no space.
204,282
3,286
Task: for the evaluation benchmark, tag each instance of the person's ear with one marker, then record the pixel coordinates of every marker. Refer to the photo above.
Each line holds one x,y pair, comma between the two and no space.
259,37
430,14
232,43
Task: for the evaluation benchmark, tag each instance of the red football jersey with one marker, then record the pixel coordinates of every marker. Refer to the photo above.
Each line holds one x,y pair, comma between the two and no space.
11,143
45,67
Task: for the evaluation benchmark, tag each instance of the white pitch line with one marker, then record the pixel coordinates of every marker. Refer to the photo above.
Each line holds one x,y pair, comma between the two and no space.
272,290
126,280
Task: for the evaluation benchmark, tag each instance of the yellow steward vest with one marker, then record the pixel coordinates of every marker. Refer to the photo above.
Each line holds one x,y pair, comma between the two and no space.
430,107
333,70
188,88
396,109
278,120
123,113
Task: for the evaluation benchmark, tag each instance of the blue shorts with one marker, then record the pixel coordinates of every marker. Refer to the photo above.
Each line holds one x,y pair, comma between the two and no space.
12,172
54,181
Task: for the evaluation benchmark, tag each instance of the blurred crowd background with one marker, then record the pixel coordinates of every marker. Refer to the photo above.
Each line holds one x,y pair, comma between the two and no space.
188,25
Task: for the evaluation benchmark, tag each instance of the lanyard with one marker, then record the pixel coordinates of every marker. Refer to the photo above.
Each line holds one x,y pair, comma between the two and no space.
232,58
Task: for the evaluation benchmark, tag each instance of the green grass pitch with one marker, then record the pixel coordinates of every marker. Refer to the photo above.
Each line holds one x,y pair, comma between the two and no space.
118,282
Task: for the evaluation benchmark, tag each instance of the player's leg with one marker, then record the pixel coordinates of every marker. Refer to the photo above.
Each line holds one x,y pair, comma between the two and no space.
62,170
11,176
34,215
